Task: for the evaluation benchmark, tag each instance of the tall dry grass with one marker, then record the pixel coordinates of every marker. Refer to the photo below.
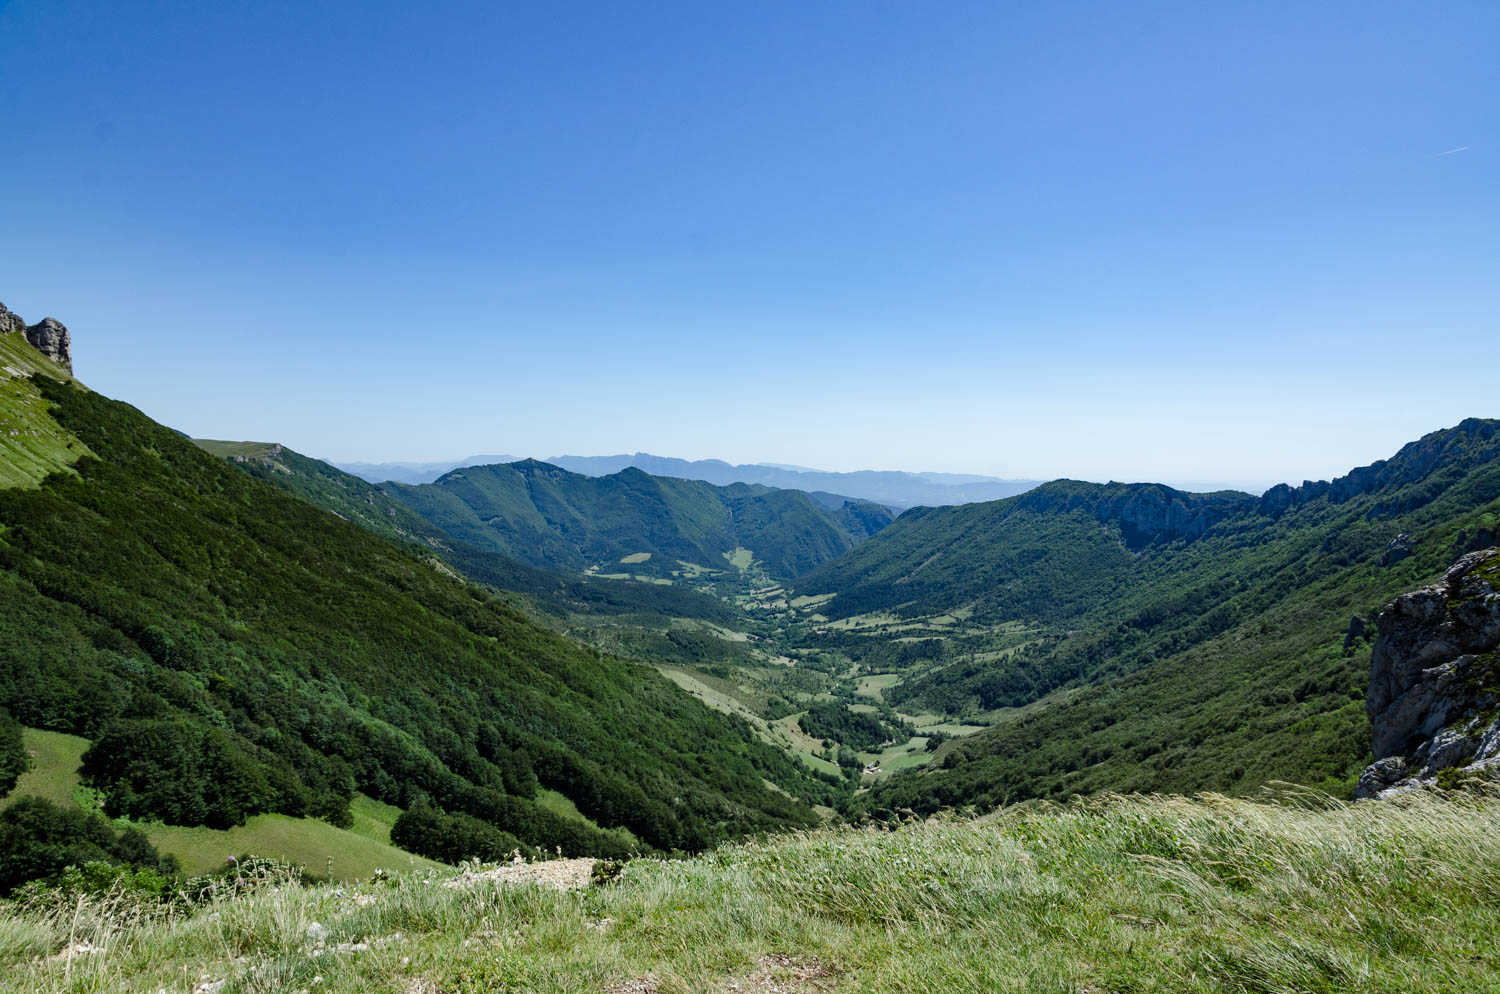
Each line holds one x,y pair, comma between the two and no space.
1291,892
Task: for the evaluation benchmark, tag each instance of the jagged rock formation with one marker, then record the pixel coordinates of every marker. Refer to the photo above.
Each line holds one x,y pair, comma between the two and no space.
10,321
51,339
267,458
1482,538
47,336
1355,633
1144,512
1399,548
1435,680
1414,462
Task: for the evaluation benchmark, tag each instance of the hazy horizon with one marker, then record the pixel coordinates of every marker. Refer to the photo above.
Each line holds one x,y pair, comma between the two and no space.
1157,243
1190,484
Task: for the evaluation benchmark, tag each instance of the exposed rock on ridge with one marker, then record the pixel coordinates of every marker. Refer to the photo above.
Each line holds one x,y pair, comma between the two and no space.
47,336
1474,439
1435,680
51,339
267,458
1143,511
10,321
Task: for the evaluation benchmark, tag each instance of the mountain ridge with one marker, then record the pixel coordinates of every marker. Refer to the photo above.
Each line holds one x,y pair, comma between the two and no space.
1215,658
895,488
541,513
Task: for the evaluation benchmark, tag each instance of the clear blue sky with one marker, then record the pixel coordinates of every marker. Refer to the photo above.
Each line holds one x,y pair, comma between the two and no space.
1102,240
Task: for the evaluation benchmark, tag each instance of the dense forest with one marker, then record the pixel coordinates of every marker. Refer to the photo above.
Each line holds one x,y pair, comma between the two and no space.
231,650
555,591
546,516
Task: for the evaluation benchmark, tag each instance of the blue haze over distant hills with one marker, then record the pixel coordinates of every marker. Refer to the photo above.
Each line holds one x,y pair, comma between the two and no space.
894,488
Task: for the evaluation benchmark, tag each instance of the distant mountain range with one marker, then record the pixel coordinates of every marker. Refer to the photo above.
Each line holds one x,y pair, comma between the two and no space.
413,472
895,489
890,487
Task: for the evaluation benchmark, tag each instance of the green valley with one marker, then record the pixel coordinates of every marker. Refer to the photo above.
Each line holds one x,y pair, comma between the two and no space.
1120,637
234,653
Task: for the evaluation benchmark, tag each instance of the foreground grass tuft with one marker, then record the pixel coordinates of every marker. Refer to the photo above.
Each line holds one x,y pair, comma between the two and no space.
1293,893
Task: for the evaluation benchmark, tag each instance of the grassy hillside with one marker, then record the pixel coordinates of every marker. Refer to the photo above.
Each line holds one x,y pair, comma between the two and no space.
1173,642
338,853
32,444
544,515
52,771
1115,894
234,651
352,854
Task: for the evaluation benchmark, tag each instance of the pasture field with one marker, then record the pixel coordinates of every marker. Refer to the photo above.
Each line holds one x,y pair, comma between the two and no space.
1295,892
349,854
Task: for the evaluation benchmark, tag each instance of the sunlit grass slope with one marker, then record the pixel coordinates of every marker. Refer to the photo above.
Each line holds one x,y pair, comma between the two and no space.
53,772
1111,894
346,855
32,444
323,849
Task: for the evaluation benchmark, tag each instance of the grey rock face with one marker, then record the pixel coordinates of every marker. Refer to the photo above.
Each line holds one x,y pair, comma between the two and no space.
51,339
1145,512
269,459
1435,679
1355,633
10,322
1399,548
1414,462
1482,538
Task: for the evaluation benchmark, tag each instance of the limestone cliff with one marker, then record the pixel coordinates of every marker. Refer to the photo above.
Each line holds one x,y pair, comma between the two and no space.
1144,512
1435,680
47,336
10,321
1473,441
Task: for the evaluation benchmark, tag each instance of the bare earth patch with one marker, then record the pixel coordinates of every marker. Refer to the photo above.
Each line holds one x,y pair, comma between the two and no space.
778,974
564,874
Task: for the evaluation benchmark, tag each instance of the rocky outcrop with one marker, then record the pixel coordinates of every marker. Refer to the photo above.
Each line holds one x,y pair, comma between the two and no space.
10,321
1399,548
1144,512
1473,441
47,336
1434,697
267,458
1355,633
1482,538
50,338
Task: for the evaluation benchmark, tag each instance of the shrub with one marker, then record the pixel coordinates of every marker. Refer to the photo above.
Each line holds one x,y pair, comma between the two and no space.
178,772
454,838
13,760
40,840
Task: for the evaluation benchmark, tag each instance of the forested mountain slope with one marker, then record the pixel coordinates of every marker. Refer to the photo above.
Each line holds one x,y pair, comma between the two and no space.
555,591
548,516
231,649
1188,641
1062,548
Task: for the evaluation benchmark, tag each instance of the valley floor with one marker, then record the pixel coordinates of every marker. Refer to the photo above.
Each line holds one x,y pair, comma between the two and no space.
1296,892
